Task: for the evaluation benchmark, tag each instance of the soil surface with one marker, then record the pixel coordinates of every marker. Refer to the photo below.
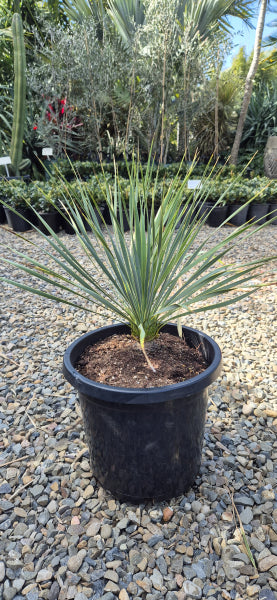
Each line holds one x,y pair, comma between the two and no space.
118,360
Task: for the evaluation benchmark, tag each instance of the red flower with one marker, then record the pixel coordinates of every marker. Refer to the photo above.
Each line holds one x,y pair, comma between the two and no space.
35,127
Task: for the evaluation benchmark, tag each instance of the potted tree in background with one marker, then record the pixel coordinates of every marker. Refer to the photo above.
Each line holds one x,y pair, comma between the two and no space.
144,422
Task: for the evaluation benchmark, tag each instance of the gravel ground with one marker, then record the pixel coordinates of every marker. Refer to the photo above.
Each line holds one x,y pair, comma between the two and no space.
63,537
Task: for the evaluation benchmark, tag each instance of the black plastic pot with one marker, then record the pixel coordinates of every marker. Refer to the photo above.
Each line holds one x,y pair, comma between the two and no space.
17,222
52,219
258,212
65,224
2,214
194,212
217,216
241,217
273,211
204,209
144,443
98,214
107,219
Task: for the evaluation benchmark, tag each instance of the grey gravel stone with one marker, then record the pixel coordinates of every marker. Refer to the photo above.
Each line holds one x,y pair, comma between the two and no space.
75,562
171,596
157,579
192,590
37,490
123,523
177,564
106,531
54,591
154,540
162,565
246,516
44,575
33,594
188,572
244,500
5,488
80,596
267,594
18,584
9,593
20,530
2,571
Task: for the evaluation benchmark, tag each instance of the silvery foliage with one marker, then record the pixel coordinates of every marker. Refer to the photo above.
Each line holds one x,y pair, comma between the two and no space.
122,95
86,72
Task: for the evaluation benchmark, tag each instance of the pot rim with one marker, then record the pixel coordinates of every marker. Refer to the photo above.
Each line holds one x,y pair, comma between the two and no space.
109,393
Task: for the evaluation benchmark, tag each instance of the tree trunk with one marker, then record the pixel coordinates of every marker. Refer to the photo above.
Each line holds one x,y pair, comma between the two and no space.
216,132
249,82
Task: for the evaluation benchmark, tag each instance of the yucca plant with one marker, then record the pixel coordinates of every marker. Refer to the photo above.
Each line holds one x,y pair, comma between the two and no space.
160,273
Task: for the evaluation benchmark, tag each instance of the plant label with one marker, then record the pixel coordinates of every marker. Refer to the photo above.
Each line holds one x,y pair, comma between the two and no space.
5,160
193,184
47,151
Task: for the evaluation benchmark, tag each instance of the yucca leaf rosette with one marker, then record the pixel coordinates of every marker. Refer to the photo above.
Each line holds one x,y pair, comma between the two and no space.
159,272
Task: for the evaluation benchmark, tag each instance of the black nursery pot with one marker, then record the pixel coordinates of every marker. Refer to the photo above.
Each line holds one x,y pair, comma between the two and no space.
241,217
98,213
273,211
18,222
107,219
52,219
144,444
65,225
2,214
258,212
217,216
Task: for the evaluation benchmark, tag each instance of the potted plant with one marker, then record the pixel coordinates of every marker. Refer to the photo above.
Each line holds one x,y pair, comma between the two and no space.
239,193
2,215
18,212
259,206
144,409
214,207
41,201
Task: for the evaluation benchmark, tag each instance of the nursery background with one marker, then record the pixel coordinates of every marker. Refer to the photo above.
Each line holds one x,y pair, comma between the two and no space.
108,78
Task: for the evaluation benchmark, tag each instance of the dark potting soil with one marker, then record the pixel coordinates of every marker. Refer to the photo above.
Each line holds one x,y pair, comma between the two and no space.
118,360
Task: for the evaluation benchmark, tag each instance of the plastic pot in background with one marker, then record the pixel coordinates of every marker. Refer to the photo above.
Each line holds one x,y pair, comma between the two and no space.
65,225
98,214
217,216
204,209
52,219
17,222
107,219
258,212
241,217
2,214
194,212
273,211
144,444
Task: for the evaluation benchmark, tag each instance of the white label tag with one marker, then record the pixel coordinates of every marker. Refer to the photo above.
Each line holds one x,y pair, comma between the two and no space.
5,160
194,183
47,151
